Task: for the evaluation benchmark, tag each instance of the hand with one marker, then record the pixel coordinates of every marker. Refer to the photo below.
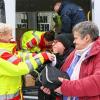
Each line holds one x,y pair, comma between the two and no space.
58,90
45,90
51,56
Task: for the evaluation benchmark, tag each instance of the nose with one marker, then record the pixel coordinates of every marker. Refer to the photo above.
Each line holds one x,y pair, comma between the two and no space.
74,41
53,44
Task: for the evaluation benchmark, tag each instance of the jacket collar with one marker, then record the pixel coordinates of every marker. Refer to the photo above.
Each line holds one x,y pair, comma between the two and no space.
95,48
42,43
8,46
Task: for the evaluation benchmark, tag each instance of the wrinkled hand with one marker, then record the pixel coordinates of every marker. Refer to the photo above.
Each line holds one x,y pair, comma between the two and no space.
46,90
51,56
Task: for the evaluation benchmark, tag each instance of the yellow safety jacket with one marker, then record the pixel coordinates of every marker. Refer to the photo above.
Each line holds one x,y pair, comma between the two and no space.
12,68
31,41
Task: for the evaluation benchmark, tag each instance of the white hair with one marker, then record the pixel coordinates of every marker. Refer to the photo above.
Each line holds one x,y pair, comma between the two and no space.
5,28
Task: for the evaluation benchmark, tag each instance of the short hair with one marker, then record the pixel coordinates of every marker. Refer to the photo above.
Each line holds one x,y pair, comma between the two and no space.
49,35
87,27
5,28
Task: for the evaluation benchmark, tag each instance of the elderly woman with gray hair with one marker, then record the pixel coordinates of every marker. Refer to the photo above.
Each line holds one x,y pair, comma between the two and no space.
12,66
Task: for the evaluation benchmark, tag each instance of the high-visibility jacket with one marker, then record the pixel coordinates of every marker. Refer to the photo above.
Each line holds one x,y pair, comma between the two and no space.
33,41
12,68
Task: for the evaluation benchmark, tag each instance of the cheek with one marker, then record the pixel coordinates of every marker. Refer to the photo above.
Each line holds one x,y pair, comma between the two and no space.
61,48
77,41
79,45
55,50
56,47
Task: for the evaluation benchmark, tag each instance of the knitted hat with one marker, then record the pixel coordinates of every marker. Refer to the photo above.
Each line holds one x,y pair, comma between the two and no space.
65,39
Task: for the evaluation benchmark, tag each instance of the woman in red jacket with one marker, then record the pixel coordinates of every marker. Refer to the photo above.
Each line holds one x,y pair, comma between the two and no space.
84,83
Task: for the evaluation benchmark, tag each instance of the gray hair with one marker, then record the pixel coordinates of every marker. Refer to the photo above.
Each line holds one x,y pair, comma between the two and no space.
5,28
87,27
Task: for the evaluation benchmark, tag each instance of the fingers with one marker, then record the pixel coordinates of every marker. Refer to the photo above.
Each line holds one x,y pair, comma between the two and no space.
51,56
60,79
45,90
42,87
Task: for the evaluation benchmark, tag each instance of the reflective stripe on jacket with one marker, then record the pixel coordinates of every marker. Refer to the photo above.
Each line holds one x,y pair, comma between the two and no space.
31,40
10,74
9,96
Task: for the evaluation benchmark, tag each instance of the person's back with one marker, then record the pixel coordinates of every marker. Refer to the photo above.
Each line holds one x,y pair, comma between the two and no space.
71,14
30,39
75,12
36,41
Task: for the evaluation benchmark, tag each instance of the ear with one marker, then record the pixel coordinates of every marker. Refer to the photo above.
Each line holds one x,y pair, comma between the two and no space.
87,38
